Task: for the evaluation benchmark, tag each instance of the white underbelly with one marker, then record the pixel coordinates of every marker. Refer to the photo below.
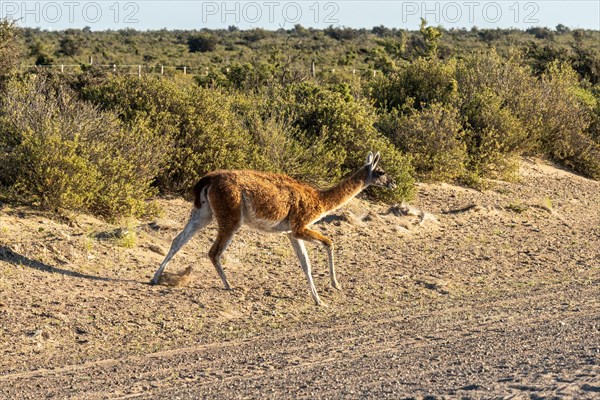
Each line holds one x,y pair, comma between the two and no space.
266,225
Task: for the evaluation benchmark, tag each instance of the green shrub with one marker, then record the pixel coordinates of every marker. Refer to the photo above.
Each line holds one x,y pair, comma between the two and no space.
202,43
500,103
594,129
70,44
245,76
382,61
494,136
348,125
511,89
284,148
255,35
567,111
52,170
422,82
540,32
200,125
9,51
586,59
431,38
432,137
510,112
65,154
343,33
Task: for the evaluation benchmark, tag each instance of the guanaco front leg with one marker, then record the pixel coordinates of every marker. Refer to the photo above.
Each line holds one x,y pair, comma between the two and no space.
312,236
302,255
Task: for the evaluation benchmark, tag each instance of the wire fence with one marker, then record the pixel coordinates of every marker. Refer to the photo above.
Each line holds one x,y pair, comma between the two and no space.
170,70
137,69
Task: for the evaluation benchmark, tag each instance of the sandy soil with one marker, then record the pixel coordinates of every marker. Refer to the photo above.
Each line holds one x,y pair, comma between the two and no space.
460,294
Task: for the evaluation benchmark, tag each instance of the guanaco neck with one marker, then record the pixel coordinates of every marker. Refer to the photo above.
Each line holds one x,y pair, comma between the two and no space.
341,193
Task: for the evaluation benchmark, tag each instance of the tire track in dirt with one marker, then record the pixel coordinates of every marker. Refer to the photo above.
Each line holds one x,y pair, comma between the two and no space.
277,337
244,364
396,348
371,363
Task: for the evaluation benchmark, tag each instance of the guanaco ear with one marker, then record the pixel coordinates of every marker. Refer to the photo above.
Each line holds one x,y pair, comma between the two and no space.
369,160
376,160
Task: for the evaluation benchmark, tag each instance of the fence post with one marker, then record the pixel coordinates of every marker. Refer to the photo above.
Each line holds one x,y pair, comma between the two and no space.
184,70
91,60
62,68
162,69
139,71
374,73
313,72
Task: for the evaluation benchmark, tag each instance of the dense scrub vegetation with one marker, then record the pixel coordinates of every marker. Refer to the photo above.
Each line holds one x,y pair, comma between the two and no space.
442,106
291,50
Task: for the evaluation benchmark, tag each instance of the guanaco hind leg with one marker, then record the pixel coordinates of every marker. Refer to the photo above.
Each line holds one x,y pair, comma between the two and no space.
224,237
199,219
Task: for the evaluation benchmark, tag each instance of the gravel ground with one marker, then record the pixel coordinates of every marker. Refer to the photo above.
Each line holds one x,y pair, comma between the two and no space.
461,294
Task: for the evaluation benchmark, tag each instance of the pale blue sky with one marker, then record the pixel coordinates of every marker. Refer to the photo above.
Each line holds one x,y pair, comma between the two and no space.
273,14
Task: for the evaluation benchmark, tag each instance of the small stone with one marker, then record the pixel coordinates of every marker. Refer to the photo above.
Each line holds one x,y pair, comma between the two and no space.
157,249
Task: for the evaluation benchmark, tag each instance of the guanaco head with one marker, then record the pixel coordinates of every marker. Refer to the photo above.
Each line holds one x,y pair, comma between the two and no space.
377,176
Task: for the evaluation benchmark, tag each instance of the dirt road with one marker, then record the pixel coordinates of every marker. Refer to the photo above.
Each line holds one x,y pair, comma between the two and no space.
499,348
484,295
499,352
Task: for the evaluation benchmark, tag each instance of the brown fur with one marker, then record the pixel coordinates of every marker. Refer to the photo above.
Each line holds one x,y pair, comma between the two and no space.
274,197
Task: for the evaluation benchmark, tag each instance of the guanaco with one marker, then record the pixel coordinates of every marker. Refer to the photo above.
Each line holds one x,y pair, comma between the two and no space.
273,203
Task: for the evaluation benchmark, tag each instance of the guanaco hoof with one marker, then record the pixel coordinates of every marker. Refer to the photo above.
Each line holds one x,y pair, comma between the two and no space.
176,279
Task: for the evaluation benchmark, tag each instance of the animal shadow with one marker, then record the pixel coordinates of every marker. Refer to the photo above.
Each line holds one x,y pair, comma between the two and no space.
8,255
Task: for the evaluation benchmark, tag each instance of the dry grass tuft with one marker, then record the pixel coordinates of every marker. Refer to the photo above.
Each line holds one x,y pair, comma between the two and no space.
176,279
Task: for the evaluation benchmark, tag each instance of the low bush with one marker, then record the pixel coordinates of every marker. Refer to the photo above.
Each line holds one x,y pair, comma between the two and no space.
488,83
348,124
510,112
9,51
594,129
505,111
202,43
281,146
203,131
422,82
567,112
66,154
432,137
247,77
493,136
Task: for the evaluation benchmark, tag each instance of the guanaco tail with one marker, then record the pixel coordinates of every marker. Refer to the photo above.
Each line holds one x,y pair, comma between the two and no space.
273,203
